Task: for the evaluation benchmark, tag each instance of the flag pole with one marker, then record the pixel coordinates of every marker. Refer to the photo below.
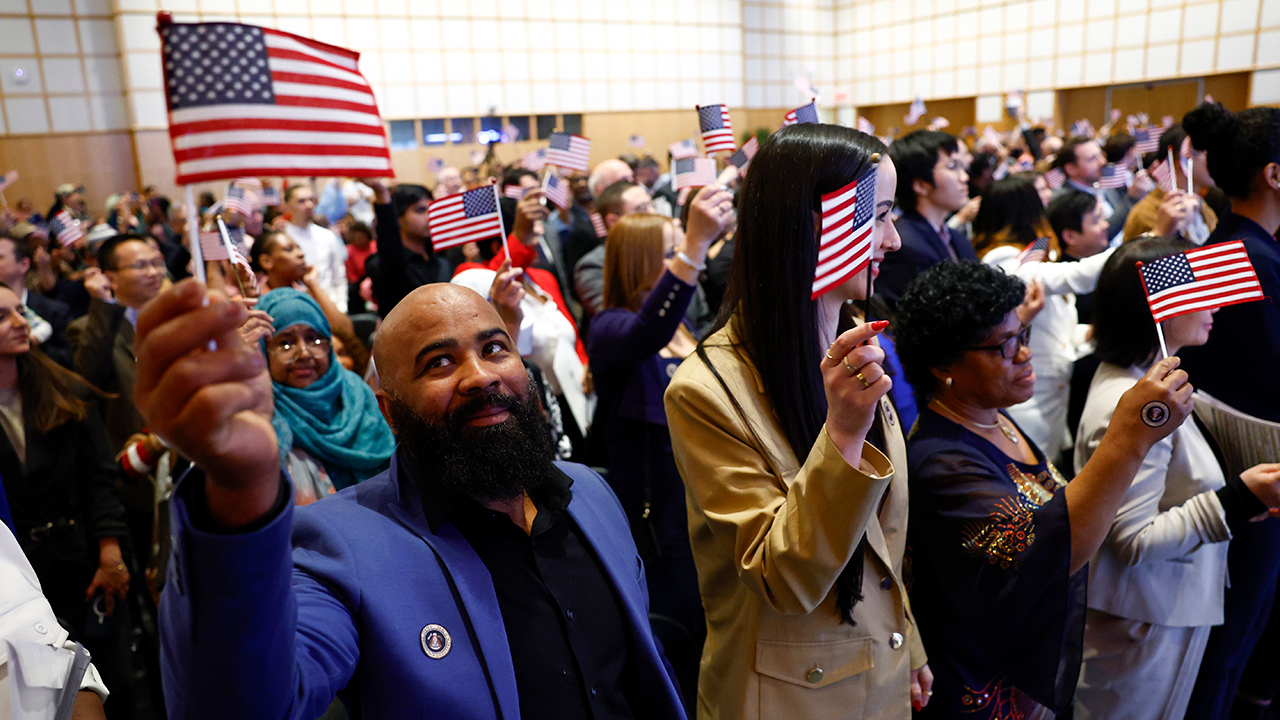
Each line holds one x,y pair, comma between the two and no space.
1173,175
193,237
1164,349
498,205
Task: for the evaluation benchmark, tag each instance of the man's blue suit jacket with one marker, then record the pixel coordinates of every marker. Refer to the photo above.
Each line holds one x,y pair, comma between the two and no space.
262,625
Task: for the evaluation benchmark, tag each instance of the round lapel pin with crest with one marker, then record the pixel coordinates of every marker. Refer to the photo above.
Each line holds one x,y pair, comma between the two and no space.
436,642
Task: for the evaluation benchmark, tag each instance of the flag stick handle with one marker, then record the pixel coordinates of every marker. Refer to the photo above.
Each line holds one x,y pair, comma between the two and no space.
546,177
1164,349
197,252
226,240
3,200
1173,172
498,204
1187,170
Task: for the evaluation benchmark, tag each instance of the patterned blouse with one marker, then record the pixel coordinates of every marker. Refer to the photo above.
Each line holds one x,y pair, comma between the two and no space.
990,549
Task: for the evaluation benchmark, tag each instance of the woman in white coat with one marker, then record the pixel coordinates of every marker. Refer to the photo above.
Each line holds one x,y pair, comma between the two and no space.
1037,248
1156,585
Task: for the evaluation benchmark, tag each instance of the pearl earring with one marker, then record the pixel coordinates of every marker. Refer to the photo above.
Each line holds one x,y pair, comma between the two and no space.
948,382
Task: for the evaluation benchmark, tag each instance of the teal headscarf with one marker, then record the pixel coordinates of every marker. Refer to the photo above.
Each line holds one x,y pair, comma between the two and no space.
336,419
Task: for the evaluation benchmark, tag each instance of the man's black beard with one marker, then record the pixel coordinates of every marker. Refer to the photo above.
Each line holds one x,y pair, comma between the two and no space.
498,462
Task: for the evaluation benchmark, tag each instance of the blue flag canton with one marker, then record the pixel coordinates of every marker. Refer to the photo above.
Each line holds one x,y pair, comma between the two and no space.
865,204
686,165
553,182
216,64
478,202
807,114
711,117
561,141
739,159
1167,272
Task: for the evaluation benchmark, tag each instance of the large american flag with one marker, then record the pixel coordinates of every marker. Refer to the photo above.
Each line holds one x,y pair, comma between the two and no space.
844,248
744,154
717,129
1201,279
803,114
572,152
465,217
246,100
694,172
1147,139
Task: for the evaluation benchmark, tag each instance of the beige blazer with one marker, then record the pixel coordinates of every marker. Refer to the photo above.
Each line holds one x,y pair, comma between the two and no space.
770,536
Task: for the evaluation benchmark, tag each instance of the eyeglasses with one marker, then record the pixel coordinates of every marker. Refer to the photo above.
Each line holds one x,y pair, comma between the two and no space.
289,350
144,265
1011,345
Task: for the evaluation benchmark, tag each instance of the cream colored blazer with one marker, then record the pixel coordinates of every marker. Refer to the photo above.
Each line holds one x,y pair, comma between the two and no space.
770,535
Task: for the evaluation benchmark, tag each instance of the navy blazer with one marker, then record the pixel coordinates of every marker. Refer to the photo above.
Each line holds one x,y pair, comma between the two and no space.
1239,364
922,248
262,625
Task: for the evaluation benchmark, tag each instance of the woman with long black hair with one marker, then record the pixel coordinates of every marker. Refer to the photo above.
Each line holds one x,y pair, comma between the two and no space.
797,518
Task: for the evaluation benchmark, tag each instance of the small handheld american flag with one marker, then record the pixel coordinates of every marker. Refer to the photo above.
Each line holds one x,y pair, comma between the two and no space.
1162,173
534,160
1113,176
247,100
515,192
65,228
1147,139
212,247
803,114
1035,252
465,217
556,190
238,200
848,218
597,224
1207,277
915,112
1056,178
694,172
572,152
744,154
717,129
270,196
682,149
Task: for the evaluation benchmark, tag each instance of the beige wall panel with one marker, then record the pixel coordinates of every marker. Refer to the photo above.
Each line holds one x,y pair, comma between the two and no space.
102,162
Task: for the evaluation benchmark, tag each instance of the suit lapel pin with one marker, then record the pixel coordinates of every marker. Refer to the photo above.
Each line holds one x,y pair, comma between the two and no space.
436,641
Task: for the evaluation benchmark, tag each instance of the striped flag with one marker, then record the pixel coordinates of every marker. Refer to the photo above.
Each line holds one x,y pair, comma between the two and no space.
682,149
694,172
66,229
557,190
597,223
515,192
245,100
1163,175
270,196
212,247
238,200
744,154
571,152
1113,176
40,232
533,160
803,114
1035,252
844,248
1056,178
465,217
1147,139
915,112
717,129
1208,277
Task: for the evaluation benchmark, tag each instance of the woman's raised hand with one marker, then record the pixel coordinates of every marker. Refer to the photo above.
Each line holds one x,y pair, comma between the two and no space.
710,215
1155,406
854,381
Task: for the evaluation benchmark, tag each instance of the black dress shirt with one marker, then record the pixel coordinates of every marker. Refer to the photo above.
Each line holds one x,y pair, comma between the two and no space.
565,627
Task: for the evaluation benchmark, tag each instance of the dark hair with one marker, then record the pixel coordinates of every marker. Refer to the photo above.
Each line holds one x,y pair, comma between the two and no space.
1067,211
1010,214
769,297
407,195
21,248
1239,144
1067,155
980,172
110,249
512,175
610,200
1122,324
647,162
265,243
915,155
1171,139
359,227
948,308
289,191
1118,145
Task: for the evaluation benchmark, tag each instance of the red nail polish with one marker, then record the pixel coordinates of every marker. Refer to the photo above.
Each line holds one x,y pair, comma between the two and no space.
879,324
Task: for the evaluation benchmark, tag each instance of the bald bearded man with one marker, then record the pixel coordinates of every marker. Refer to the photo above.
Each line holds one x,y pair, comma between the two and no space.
476,578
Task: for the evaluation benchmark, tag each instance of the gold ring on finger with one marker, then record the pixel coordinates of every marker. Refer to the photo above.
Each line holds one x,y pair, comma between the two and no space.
852,371
862,379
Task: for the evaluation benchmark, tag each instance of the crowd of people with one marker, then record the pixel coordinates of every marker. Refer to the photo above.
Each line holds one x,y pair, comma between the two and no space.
625,462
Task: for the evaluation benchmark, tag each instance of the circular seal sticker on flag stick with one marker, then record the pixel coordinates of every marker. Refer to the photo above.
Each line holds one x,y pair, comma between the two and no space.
1155,413
436,642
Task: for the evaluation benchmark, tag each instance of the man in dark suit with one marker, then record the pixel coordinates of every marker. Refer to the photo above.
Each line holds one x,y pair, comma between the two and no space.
47,317
932,184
